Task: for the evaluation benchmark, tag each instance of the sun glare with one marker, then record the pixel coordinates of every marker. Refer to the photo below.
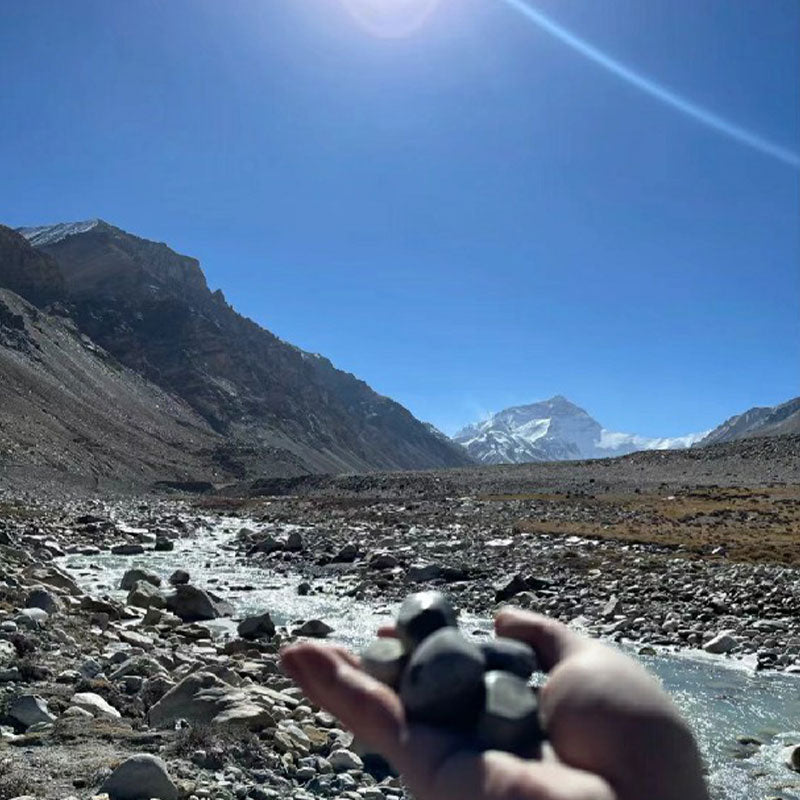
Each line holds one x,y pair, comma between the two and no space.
390,18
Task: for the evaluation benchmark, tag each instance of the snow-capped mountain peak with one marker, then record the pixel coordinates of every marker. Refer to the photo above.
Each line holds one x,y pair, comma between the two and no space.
43,235
553,430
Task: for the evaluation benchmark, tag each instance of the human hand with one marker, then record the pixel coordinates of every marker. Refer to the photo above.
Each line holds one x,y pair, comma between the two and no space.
615,735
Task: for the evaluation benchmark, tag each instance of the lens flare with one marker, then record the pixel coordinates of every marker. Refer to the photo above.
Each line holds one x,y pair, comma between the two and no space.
390,19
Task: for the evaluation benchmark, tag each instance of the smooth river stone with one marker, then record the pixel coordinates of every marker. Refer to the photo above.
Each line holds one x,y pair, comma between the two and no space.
443,683
510,717
510,655
421,614
385,660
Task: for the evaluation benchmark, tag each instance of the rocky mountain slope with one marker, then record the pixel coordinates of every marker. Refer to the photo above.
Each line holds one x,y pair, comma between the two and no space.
68,406
553,430
760,421
292,411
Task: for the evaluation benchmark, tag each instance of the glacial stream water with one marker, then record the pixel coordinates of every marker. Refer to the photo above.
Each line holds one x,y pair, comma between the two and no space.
722,698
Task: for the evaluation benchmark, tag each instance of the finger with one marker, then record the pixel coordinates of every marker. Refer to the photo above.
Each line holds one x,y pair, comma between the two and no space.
350,658
500,776
372,711
551,640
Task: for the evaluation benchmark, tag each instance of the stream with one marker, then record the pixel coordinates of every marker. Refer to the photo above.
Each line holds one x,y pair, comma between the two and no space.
721,697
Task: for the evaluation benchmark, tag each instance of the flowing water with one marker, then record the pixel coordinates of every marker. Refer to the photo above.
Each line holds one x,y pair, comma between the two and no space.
723,699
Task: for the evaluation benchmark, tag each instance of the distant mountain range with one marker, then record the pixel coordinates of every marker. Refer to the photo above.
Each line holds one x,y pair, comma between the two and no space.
259,404
759,421
554,430
118,361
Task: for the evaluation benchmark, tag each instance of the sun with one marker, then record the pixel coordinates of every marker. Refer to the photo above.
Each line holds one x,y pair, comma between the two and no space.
391,19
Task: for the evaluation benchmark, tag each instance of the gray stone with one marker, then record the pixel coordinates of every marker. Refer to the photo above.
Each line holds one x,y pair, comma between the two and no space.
256,627
164,544
29,709
510,716
723,642
385,660
203,699
294,542
140,777
508,587
383,561
419,573
7,651
192,604
31,618
421,614
133,576
127,549
314,628
791,757
95,705
346,555
145,594
44,599
179,577
344,760
509,655
443,683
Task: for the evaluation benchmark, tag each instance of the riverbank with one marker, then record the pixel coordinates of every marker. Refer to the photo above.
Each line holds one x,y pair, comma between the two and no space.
345,561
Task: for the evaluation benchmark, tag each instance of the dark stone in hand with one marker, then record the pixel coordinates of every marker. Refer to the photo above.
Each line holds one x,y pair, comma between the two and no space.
510,655
510,717
385,660
421,614
443,683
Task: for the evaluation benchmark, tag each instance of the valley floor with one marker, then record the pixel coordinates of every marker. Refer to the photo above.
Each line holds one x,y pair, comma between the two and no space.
688,550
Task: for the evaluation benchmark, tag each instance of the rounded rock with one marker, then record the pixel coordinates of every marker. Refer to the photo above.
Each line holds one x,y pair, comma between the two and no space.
385,660
510,717
421,614
138,777
510,655
443,683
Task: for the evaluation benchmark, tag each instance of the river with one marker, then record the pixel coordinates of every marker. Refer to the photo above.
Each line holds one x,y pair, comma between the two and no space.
721,697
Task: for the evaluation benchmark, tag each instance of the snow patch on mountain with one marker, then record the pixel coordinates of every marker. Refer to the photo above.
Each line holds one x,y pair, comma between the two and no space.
554,430
43,235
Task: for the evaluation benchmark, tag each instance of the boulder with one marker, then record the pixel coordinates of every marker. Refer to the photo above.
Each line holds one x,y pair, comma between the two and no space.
383,561
344,760
508,587
164,545
203,699
127,549
95,705
140,777
723,642
179,577
192,604
31,618
346,555
294,542
791,757
256,627
419,573
96,605
146,595
133,576
30,709
315,628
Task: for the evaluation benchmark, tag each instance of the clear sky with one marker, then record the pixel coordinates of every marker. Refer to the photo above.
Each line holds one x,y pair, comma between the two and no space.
471,216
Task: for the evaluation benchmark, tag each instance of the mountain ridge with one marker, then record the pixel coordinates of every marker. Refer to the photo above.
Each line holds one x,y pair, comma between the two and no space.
151,308
553,430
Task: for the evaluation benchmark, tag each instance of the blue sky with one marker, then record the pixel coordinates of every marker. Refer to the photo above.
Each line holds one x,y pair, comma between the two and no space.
468,217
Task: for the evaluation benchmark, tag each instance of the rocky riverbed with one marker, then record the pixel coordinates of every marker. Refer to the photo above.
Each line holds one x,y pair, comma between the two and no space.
173,683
